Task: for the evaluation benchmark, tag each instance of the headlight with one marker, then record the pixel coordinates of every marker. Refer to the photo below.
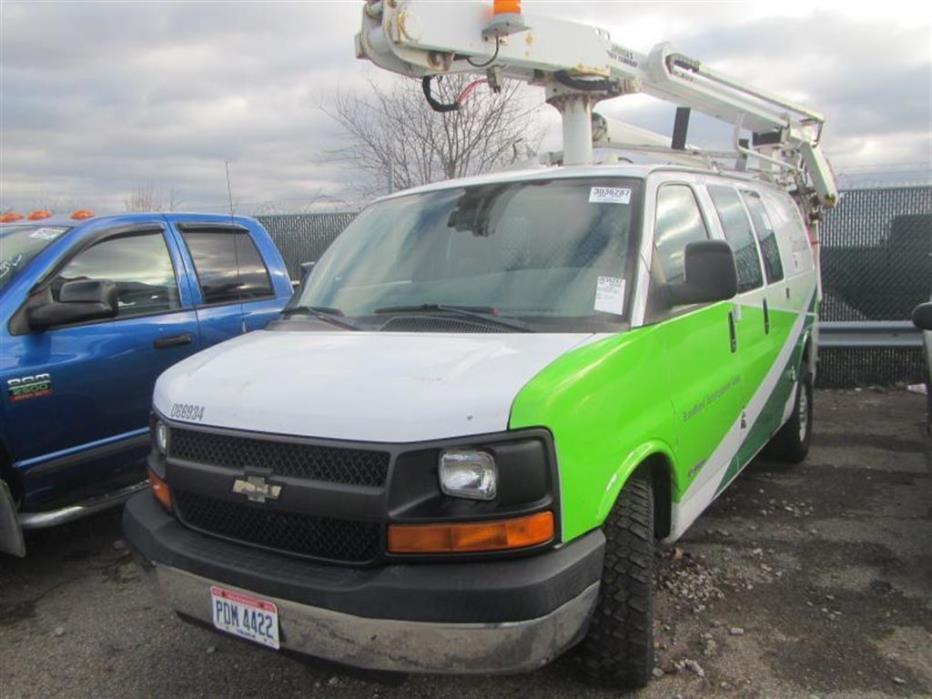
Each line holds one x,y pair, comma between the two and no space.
468,473
161,437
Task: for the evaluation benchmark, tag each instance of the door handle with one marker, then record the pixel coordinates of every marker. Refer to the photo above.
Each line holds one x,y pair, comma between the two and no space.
173,341
766,318
731,331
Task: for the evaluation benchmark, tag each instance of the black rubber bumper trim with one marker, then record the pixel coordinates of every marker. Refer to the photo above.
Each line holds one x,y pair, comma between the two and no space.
471,592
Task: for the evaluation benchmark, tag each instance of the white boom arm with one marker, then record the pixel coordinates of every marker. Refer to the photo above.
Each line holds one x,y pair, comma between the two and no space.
580,65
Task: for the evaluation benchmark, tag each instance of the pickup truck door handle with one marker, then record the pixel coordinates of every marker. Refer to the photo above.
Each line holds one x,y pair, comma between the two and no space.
173,341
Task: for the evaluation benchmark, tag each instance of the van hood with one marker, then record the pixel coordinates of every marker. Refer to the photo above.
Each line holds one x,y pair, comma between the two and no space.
366,386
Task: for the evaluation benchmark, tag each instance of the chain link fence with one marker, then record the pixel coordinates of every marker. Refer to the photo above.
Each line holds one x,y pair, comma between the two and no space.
877,254
304,237
876,266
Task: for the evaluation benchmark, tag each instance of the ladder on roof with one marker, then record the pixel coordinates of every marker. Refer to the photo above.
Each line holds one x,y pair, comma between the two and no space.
579,65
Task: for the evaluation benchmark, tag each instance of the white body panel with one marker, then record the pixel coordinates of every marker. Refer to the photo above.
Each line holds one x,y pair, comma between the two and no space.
382,387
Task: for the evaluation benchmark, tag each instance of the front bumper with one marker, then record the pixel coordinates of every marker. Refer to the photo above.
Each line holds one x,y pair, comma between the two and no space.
476,617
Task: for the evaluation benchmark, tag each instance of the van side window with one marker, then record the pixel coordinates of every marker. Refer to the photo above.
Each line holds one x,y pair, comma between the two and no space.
738,233
139,265
228,265
766,236
678,222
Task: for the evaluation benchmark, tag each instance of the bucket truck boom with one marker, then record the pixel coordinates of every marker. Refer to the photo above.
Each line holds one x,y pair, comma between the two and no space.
580,65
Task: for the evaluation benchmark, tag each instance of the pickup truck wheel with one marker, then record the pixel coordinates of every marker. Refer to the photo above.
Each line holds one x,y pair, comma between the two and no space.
791,442
619,647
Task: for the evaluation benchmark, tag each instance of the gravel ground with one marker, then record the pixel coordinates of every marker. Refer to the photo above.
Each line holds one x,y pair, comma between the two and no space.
809,581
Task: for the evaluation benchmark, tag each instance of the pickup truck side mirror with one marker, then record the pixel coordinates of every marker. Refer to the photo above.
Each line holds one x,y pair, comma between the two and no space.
711,274
922,316
79,300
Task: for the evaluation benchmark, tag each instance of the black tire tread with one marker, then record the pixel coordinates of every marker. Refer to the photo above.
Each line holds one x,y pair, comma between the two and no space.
619,648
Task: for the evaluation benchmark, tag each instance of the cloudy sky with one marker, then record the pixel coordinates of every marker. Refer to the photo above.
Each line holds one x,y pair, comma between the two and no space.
98,99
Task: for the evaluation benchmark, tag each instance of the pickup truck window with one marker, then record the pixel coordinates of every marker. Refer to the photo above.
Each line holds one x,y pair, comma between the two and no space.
766,236
19,244
228,265
678,223
738,233
139,265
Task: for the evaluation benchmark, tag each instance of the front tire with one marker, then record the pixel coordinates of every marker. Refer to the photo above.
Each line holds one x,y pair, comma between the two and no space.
619,647
791,442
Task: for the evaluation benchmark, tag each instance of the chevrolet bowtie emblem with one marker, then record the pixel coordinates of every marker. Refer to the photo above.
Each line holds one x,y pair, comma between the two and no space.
256,489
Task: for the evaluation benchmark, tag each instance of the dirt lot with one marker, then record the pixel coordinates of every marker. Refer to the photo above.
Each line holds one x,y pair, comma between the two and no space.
812,581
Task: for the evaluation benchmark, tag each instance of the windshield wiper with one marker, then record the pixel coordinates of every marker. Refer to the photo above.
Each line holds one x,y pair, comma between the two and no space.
334,316
484,313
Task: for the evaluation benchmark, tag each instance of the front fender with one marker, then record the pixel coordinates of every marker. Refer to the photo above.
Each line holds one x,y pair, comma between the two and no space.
11,534
607,405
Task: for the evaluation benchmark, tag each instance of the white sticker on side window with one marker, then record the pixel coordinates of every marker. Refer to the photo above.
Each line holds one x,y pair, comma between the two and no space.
47,233
610,295
609,195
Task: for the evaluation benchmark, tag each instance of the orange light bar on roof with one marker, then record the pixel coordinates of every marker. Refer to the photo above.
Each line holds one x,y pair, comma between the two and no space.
10,216
497,535
39,214
82,214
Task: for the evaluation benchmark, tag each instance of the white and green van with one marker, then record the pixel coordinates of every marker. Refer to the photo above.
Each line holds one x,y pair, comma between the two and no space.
491,399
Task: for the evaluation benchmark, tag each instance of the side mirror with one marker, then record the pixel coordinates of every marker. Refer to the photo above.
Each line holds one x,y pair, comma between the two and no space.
922,316
711,274
78,301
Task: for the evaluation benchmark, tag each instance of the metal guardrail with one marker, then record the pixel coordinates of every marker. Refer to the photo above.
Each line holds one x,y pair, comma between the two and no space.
869,333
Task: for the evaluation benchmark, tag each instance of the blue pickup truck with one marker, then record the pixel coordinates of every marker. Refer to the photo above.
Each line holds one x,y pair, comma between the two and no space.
91,312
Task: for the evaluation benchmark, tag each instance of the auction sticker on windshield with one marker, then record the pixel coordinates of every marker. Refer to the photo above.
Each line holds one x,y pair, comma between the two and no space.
609,195
610,295
244,616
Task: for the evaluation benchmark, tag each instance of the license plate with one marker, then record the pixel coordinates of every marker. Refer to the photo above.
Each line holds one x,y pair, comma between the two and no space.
244,616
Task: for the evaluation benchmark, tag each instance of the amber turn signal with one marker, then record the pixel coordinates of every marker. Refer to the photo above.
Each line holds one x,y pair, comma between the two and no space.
160,491
497,535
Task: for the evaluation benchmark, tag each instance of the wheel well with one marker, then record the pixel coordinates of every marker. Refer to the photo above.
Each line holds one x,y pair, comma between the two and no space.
661,476
804,363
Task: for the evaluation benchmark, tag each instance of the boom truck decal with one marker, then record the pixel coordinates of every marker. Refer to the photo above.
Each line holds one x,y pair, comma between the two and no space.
558,369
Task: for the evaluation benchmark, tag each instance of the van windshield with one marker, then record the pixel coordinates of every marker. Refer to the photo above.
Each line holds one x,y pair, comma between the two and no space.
19,244
552,254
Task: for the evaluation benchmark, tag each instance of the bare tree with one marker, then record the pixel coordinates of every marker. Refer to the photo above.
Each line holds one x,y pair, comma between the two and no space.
147,197
315,201
395,140
46,201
